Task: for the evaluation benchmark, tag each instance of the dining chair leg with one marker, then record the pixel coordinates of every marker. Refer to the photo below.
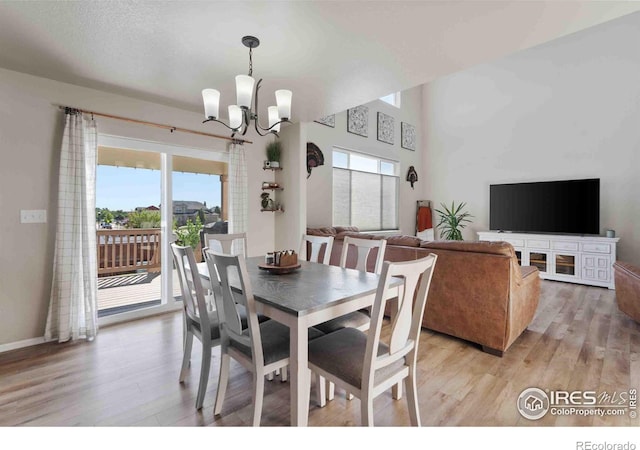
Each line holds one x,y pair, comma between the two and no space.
258,395
331,390
223,380
412,399
186,358
270,376
366,409
396,391
204,374
321,393
284,374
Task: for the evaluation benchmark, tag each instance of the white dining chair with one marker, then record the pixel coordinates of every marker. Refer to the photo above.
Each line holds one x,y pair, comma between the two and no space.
363,247
261,348
198,320
364,365
311,246
357,319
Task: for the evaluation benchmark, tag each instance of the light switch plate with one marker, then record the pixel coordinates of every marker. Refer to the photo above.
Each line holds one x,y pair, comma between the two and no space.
33,216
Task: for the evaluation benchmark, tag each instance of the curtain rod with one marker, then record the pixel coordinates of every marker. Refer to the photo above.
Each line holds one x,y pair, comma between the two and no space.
158,125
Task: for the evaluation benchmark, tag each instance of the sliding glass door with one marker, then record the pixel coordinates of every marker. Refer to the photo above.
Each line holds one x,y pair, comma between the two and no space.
145,196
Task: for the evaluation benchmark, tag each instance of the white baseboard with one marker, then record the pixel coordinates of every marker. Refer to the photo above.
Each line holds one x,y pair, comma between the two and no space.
21,344
104,321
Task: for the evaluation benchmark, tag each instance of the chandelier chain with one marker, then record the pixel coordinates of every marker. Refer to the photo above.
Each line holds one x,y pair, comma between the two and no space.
250,61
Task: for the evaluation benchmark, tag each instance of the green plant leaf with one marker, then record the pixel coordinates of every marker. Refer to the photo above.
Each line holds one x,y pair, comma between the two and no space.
452,220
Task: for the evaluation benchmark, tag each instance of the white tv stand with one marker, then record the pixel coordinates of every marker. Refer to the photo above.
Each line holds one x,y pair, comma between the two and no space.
571,258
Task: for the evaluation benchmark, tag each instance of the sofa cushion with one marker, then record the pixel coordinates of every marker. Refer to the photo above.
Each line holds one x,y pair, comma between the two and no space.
322,231
342,229
356,234
494,248
406,241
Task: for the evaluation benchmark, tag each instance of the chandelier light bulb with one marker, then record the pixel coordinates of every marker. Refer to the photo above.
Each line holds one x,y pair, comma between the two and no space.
273,118
235,116
211,99
283,100
244,90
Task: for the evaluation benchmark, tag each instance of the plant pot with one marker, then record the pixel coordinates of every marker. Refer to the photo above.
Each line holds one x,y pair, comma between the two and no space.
274,164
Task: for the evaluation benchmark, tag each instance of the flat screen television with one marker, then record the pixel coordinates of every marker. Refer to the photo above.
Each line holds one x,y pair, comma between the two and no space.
561,207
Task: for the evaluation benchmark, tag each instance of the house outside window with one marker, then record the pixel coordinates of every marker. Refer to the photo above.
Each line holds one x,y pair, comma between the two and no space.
365,191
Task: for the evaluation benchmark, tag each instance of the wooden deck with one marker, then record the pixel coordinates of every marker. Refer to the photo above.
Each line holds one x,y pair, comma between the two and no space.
126,292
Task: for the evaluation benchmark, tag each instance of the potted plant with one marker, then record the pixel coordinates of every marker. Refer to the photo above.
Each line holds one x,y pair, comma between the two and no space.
189,235
452,220
274,149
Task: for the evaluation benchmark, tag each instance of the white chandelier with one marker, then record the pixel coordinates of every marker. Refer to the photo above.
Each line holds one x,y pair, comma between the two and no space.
241,114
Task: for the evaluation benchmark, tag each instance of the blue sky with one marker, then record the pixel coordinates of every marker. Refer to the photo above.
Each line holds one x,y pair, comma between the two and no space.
127,188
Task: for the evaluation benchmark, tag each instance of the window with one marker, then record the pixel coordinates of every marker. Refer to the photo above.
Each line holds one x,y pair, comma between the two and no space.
392,99
365,191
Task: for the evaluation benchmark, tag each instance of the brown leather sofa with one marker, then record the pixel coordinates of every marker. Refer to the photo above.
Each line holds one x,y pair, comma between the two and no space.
627,281
478,291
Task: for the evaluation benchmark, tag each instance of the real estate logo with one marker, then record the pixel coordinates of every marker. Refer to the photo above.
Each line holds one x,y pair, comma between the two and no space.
533,403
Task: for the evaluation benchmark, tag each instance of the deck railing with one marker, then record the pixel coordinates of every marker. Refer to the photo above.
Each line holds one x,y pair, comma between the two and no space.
121,251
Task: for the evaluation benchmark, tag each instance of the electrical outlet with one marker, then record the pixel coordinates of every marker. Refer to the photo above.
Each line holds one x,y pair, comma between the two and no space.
33,216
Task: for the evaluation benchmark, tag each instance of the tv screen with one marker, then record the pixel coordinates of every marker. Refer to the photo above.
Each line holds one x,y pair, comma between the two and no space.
570,206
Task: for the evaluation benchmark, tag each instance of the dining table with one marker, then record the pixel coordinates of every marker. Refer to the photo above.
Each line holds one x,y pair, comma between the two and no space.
307,296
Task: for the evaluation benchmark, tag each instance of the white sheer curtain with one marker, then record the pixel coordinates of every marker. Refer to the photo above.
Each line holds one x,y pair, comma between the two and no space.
73,309
238,192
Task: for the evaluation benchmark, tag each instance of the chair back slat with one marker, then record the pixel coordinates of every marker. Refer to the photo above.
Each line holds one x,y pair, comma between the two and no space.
227,313
316,243
363,248
401,326
229,269
412,298
229,244
193,296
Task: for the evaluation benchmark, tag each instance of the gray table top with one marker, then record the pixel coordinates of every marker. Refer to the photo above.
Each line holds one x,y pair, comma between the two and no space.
310,288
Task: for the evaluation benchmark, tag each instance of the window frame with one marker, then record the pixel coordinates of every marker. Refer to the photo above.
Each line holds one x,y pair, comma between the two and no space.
394,99
379,161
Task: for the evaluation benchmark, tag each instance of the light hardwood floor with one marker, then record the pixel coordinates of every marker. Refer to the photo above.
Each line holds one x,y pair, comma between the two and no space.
128,376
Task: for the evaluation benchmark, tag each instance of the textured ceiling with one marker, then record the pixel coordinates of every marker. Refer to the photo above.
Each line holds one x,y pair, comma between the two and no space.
332,55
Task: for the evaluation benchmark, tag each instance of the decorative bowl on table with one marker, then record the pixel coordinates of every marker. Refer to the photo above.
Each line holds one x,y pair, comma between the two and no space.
279,270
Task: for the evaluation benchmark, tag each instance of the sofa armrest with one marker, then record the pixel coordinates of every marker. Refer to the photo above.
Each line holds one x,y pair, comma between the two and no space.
627,269
627,282
523,304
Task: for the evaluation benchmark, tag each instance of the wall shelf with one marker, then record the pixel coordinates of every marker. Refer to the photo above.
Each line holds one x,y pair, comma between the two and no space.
272,210
273,205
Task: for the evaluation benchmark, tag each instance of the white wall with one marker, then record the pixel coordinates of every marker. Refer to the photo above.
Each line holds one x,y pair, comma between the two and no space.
291,224
30,136
568,109
319,185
